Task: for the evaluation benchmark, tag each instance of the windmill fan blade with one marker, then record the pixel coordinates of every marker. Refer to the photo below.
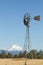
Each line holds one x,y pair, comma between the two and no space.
37,18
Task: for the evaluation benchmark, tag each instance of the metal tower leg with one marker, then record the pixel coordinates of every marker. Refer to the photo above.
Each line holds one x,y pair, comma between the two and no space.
27,43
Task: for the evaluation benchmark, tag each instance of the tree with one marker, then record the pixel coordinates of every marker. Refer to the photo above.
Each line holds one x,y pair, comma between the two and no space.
0,55
40,54
9,55
24,54
3,54
20,55
15,56
33,54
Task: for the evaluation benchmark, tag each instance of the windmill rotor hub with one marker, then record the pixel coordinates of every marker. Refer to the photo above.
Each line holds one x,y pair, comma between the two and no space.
26,19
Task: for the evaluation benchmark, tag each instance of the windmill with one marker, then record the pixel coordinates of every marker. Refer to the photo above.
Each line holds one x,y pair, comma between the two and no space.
26,21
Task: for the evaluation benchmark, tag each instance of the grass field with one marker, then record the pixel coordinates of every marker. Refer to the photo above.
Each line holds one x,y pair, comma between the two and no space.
21,62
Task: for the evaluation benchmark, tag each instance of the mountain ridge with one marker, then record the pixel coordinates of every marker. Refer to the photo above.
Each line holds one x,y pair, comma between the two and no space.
14,49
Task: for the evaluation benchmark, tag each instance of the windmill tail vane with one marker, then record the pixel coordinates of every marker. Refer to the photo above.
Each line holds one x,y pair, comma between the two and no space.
37,18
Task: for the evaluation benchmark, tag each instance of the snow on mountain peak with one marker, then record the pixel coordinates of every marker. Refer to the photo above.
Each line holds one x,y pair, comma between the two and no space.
15,47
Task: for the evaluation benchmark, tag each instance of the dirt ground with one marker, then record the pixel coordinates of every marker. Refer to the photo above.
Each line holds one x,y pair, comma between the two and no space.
21,62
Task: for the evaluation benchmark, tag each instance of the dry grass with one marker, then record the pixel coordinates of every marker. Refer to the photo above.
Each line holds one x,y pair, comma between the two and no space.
21,61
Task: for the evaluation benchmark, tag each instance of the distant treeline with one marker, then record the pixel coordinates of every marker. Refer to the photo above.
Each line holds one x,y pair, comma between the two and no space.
33,54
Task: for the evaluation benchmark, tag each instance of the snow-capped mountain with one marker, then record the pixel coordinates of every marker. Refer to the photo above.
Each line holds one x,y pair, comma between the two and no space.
14,49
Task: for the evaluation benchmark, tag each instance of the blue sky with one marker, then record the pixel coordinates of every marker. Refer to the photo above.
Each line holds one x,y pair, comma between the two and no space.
12,29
